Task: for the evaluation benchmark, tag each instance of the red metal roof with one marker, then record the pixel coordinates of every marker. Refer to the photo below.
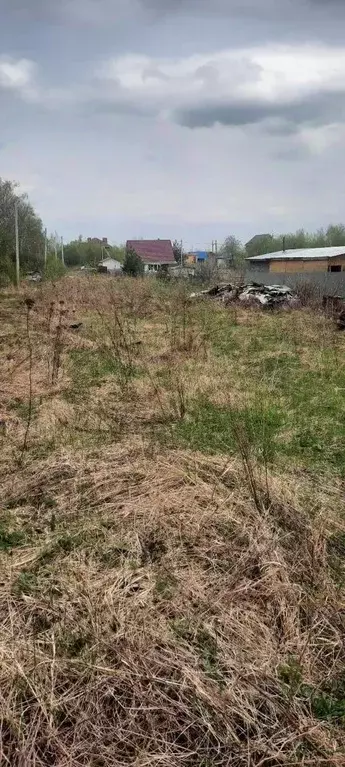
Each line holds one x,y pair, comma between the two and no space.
153,251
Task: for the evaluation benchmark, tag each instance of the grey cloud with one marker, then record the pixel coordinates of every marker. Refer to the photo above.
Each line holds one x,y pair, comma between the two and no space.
327,3
49,9
67,11
256,8
295,153
321,108
122,106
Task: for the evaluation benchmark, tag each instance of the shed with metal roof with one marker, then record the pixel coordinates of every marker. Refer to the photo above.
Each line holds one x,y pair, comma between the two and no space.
301,260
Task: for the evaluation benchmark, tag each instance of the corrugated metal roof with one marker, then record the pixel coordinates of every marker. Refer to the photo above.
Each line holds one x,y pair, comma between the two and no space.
301,253
153,251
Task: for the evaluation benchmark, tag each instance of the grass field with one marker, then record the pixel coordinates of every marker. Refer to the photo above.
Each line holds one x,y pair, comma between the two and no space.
172,530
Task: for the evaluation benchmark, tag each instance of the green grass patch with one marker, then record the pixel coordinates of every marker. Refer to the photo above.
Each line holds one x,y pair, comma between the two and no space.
299,427
10,538
25,584
211,429
67,543
205,646
327,702
72,644
90,367
114,556
295,371
221,330
329,706
165,586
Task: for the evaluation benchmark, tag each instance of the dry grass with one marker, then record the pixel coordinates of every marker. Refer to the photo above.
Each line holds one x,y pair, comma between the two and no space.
154,610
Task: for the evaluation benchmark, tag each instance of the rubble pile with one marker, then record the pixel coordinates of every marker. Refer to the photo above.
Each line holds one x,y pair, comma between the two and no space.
253,293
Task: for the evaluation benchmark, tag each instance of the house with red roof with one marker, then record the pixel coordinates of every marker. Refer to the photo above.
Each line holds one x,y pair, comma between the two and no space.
153,253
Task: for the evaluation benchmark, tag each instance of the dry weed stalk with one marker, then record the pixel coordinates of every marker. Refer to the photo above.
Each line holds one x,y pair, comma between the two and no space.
58,343
29,302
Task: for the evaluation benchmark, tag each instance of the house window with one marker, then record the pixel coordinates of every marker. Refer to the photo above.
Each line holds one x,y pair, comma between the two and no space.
334,268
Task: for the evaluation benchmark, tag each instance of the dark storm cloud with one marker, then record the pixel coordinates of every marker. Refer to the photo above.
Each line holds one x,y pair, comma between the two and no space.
317,109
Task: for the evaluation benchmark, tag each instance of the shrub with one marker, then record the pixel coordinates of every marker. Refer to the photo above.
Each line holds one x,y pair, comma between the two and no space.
133,265
53,269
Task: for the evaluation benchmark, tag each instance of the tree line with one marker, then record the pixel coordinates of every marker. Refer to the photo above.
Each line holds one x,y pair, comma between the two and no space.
32,240
31,234
235,251
81,252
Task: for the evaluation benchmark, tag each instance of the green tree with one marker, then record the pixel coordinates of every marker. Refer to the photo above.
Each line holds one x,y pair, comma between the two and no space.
133,265
83,253
260,245
177,251
31,236
118,252
233,251
54,268
335,235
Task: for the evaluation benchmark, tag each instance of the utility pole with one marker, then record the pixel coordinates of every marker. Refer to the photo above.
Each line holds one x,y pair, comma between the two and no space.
17,243
45,247
181,254
62,252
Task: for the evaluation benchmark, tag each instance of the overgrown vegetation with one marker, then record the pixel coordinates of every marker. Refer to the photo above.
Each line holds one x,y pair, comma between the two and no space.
31,238
82,252
171,530
133,265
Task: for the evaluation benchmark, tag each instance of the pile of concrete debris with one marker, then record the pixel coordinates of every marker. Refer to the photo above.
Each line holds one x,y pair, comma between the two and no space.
253,293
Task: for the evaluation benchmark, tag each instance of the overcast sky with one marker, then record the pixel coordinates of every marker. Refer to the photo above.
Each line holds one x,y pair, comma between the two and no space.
191,119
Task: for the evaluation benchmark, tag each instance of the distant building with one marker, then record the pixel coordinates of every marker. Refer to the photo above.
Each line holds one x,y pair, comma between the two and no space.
110,266
153,253
201,256
196,257
96,241
256,243
300,260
